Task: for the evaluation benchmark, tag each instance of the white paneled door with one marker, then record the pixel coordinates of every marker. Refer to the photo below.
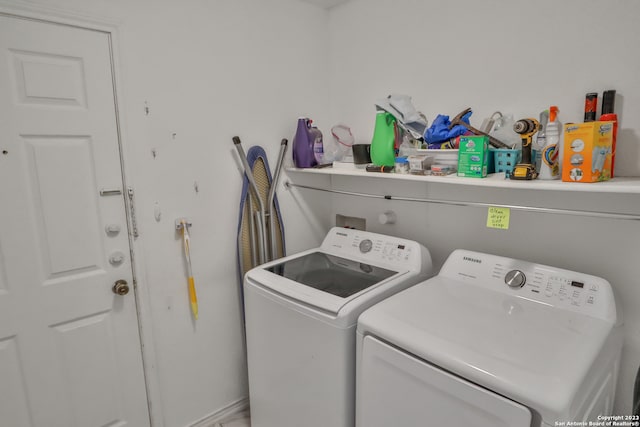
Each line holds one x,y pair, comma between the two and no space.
70,352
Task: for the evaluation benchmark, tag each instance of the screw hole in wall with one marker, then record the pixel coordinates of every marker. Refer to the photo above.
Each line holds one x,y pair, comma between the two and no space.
5,152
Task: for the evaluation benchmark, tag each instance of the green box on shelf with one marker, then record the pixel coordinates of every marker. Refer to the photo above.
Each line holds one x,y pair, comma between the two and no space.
473,156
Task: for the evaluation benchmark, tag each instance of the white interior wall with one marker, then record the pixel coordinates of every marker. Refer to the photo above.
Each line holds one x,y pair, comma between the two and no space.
209,70
206,70
518,57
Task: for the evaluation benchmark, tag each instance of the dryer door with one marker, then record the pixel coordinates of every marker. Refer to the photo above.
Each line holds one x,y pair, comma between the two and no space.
396,389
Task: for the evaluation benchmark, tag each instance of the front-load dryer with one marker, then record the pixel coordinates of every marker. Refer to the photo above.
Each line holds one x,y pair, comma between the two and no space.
489,342
300,316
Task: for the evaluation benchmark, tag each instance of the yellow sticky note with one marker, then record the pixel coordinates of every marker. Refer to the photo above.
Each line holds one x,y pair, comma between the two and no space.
498,217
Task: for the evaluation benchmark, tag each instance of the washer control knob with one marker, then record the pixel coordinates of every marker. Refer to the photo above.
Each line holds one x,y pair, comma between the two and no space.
365,246
515,279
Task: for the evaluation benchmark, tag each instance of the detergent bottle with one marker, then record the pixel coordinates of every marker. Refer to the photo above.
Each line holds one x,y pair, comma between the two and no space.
550,166
303,155
384,136
318,148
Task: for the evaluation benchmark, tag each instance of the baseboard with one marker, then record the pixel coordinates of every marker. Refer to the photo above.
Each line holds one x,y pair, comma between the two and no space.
221,414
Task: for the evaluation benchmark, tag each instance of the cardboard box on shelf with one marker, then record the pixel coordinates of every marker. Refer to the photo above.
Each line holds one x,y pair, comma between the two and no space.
473,157
587,151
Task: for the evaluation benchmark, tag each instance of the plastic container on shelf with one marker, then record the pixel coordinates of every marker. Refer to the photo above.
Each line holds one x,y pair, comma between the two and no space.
504,160
442,157
401,165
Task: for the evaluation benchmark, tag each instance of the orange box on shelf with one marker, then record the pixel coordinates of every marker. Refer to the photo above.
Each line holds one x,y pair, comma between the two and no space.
587,152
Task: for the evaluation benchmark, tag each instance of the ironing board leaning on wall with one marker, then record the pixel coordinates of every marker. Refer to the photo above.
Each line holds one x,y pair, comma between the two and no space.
260,226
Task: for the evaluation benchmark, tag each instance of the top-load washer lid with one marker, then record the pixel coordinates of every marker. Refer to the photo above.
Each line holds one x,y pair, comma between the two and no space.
338,276
350,270
526,331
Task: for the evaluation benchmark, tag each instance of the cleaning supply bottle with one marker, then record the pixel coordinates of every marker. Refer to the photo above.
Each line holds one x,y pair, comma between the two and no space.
382,144
541,140
303,156
607,114
318,148
550,169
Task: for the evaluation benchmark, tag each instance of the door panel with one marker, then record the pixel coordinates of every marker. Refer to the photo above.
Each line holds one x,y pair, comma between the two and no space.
395,388
48,79
13,394
91,391
3,275
67,203
70,353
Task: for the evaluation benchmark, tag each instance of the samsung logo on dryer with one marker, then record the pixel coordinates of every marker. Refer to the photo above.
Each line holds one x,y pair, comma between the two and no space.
476,260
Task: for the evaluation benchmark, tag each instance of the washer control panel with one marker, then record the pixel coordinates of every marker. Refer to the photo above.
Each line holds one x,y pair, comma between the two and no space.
548,285
374,248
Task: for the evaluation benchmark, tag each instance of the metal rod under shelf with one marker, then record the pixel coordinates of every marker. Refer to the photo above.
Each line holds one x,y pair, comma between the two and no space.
608,215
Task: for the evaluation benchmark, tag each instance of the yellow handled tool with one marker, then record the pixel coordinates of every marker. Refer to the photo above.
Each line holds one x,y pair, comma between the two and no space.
183,225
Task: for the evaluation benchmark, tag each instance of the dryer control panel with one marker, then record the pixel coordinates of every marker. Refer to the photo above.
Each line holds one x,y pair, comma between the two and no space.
376,249
548,285
551,286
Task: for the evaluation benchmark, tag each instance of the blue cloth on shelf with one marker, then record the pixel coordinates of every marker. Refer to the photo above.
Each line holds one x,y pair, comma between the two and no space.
439,130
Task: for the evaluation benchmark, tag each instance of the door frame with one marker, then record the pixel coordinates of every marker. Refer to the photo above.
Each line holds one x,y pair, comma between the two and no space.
110,27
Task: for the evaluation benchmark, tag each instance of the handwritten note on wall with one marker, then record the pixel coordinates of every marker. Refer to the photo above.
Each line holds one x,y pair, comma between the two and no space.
498,217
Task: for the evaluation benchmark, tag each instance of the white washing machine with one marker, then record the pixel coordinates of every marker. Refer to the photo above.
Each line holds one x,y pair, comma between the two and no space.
300,316
489,342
